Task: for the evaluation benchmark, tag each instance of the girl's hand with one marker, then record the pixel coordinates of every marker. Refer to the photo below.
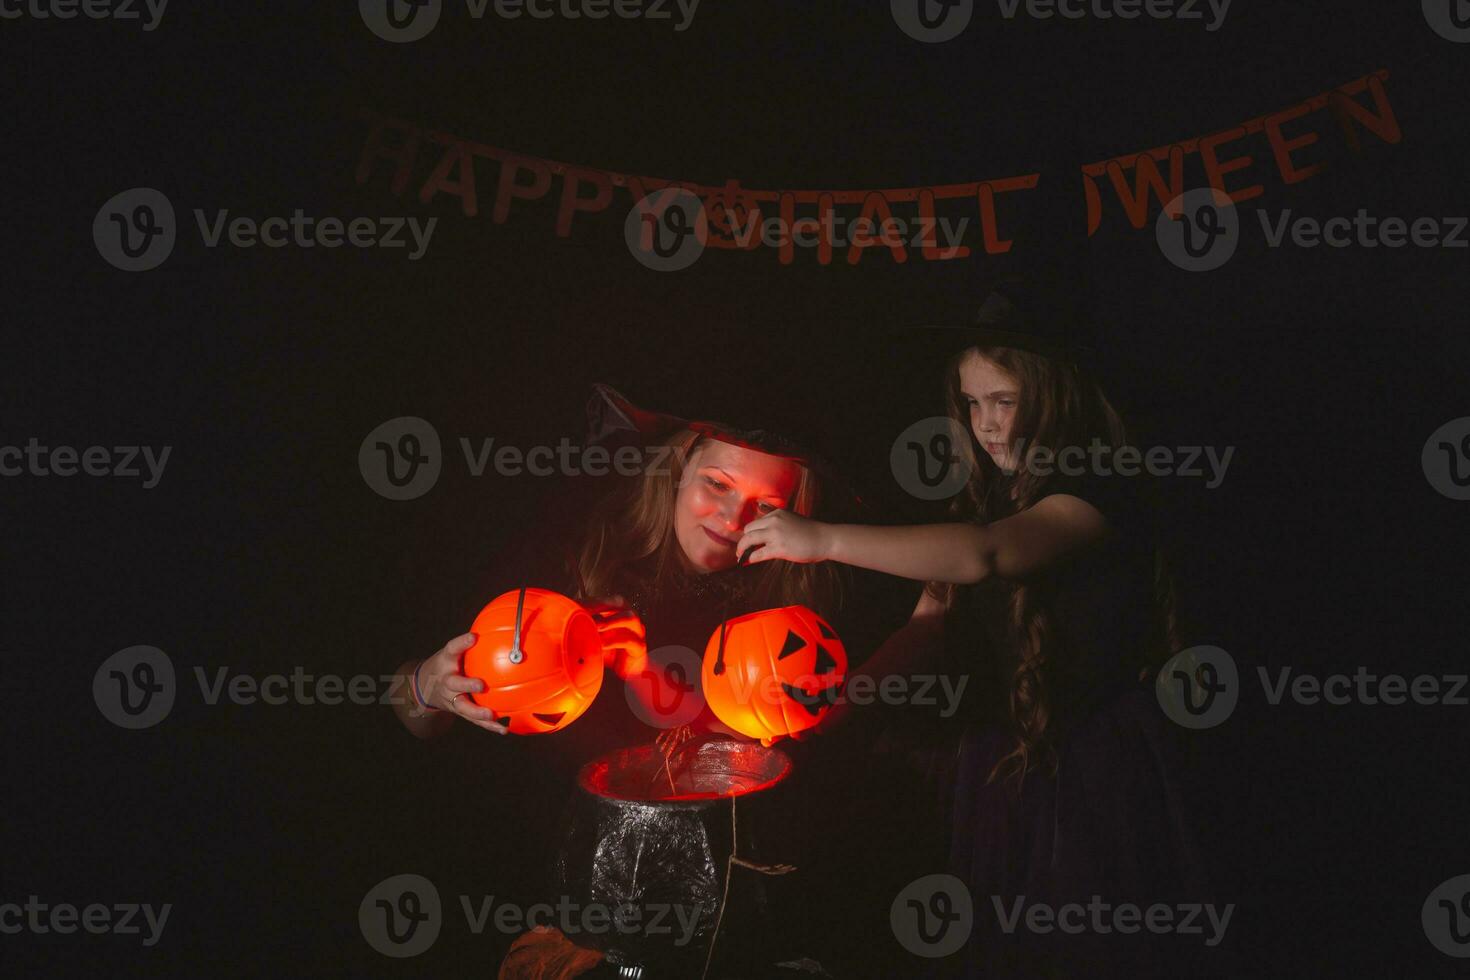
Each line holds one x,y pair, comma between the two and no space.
443,685
624,639
784,535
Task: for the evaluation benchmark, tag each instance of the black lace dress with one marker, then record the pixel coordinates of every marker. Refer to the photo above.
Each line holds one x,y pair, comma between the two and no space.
1110,826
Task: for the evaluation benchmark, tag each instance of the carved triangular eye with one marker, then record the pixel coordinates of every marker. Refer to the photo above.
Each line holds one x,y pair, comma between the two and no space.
793,644
826,630
825,662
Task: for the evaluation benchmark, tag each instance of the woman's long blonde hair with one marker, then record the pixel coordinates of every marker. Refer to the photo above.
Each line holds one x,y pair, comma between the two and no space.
637,523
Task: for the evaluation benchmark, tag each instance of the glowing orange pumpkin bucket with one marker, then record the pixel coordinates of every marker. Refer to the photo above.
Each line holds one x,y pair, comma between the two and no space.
772,673
540,656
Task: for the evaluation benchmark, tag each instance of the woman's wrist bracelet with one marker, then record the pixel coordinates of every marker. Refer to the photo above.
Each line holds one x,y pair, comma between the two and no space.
418,695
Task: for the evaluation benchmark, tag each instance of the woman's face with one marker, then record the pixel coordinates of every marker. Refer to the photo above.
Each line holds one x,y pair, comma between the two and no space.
991,395
724,488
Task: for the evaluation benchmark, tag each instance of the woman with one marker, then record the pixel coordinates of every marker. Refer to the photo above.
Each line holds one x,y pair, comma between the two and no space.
658,565
659,557
1049,590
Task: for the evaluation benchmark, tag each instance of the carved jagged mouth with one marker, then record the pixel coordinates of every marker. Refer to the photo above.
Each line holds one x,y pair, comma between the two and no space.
553,719
814,702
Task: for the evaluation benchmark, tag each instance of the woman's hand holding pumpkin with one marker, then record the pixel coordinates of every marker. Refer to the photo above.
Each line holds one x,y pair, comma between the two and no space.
624,639
439,683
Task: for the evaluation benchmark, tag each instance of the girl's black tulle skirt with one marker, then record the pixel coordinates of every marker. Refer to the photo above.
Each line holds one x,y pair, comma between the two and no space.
1109,829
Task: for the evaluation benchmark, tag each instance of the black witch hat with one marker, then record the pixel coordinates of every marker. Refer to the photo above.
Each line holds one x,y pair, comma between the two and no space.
1044,315
745,419
1039,301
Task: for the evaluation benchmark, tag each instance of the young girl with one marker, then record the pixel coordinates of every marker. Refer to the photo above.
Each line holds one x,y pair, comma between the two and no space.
1047,590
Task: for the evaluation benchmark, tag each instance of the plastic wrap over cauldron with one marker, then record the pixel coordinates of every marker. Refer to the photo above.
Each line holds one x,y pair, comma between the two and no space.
644,834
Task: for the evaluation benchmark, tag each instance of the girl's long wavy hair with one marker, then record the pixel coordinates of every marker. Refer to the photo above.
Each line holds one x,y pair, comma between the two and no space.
1058,406
637,522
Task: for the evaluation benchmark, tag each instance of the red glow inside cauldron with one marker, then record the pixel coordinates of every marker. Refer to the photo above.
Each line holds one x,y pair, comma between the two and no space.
691,773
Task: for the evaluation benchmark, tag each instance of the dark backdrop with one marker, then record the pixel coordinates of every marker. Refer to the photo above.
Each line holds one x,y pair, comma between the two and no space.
263,549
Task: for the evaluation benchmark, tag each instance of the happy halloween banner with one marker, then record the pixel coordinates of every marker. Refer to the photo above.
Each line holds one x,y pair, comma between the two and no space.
899,220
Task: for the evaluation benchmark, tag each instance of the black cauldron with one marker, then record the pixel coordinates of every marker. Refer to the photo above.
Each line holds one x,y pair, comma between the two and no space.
654,836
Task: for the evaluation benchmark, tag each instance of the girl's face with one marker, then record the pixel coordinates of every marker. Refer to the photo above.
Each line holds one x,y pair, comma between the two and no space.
991,395
724,488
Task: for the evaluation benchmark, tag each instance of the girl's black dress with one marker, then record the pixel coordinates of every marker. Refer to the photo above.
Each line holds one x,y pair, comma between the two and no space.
1109,828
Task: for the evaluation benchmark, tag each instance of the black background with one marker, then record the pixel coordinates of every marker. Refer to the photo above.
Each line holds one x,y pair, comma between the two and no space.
263,549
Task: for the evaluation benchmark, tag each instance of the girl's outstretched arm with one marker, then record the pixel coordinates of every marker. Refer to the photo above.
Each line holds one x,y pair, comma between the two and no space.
1014,547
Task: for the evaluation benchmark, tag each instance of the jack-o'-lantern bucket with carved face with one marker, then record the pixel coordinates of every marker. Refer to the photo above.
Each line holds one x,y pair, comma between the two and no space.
773,673
540,656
